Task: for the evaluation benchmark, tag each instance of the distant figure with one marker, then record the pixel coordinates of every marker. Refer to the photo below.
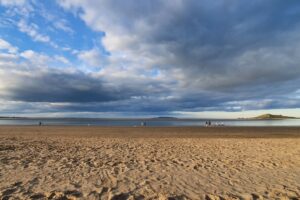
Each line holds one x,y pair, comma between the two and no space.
143,123
209,123
40,123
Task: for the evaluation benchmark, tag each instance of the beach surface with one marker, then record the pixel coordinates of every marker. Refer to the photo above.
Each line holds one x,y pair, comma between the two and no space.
166,163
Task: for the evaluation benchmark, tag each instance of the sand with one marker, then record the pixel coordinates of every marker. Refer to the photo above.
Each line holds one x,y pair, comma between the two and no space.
149,163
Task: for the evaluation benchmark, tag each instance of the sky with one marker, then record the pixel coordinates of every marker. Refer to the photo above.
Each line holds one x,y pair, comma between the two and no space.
129,58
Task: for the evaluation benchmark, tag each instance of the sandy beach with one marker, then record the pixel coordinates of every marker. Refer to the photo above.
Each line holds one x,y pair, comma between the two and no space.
149,163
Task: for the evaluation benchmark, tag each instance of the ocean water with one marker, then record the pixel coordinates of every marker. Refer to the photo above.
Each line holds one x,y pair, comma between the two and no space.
149,122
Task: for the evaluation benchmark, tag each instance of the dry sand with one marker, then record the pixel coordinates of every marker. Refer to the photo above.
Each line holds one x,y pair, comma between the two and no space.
149,163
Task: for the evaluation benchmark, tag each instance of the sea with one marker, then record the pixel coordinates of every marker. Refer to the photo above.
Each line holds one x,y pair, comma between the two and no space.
146,122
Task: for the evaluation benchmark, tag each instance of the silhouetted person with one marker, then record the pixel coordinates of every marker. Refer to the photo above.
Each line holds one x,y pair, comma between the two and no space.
40,123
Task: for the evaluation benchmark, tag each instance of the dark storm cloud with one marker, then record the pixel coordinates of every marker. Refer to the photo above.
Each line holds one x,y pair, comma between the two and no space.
226,44
62,87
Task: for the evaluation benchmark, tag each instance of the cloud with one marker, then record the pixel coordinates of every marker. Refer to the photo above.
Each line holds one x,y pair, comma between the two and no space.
43,60
12,2
243,50
38,59
92,57
21,15
4,45
62,59
33,31
161,56
7,56
62,24
58,86
33,79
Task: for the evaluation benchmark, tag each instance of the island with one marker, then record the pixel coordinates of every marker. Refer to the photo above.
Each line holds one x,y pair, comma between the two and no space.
271,117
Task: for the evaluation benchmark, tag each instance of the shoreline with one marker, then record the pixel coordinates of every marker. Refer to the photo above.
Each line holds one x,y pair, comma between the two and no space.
153,132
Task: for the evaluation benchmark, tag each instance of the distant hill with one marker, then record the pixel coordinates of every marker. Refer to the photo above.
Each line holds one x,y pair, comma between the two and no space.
270,116
165,118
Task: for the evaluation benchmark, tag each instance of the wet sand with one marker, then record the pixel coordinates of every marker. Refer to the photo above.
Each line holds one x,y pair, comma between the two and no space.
149,163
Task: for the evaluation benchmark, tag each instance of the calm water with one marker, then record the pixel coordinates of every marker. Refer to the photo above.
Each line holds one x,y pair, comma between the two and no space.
137,122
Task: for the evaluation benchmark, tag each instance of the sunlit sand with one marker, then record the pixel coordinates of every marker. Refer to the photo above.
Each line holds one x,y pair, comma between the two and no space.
149,163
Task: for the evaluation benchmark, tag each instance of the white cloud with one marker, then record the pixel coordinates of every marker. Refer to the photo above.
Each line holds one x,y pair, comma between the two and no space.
28,54
125,25
42,60
7,56
38,59
62,59
57,21
21,8
7,46
62,25
12,2
33,31
92,57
